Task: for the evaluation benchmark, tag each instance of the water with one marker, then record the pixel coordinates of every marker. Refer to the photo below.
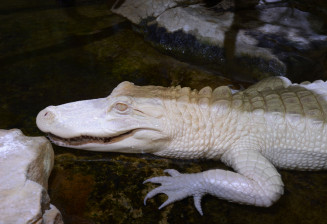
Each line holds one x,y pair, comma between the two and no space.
52,54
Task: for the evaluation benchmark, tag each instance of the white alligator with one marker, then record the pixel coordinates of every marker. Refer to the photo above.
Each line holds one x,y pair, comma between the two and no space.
273,123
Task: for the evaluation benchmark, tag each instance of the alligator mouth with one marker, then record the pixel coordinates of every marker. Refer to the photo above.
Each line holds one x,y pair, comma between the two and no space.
85,139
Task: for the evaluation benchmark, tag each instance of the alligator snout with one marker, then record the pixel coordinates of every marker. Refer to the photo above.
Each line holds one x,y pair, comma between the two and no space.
45,117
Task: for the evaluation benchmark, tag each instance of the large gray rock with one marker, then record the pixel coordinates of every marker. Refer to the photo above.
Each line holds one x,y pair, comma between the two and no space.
262,37
25,166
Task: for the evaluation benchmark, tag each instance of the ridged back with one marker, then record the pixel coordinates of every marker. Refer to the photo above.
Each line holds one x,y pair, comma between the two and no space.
278,95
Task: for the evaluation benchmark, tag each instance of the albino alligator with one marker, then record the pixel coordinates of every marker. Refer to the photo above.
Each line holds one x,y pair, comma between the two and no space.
273,123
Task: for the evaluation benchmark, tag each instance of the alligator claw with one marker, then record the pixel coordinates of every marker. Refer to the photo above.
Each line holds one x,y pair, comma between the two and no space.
172,172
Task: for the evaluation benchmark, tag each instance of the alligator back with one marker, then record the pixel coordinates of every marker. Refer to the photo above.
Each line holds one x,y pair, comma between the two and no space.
291,119
279,96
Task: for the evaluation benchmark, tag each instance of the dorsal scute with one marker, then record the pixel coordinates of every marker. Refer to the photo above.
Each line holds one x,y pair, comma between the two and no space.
222,92
271,83
206,91
185,91
319,87
305,83
183,94
221,100
204,97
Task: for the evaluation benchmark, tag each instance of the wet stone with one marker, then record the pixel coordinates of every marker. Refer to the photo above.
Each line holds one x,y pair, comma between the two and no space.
25,166
245,41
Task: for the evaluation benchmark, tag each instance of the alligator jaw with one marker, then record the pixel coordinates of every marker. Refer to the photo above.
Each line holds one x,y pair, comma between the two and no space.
85,139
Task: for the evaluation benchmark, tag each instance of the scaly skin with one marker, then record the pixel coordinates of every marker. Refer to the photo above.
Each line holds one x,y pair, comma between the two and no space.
273,123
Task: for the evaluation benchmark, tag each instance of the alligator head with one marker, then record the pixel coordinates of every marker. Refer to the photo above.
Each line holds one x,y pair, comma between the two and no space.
131,119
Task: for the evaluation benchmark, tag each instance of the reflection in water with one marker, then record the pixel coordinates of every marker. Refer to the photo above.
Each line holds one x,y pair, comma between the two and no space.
240,19
73,41
66,3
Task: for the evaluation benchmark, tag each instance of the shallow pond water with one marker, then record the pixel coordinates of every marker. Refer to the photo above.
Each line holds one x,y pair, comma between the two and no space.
52,53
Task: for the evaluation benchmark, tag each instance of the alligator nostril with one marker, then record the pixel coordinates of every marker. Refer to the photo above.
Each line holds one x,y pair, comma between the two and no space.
48,116
45,118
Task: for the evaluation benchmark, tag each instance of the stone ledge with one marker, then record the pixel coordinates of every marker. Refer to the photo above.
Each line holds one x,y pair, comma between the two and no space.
25,166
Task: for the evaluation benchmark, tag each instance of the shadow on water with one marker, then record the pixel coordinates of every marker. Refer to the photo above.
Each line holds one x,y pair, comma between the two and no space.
74,41
239,21
53,4
27,10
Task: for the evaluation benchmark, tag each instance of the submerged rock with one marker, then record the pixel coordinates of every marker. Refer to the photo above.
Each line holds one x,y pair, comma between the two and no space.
25,166
243,39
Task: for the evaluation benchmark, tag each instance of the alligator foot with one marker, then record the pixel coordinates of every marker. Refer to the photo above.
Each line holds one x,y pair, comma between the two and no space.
177,186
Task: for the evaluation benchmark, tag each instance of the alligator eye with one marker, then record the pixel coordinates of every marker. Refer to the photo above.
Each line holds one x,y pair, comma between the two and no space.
121,107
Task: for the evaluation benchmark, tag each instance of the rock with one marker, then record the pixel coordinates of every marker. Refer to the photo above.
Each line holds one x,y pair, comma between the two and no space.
25,166
52,216
255,39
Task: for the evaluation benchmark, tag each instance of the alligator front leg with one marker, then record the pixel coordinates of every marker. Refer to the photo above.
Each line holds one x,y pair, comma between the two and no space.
255,182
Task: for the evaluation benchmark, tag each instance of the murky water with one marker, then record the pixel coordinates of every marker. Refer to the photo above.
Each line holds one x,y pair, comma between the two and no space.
52,54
